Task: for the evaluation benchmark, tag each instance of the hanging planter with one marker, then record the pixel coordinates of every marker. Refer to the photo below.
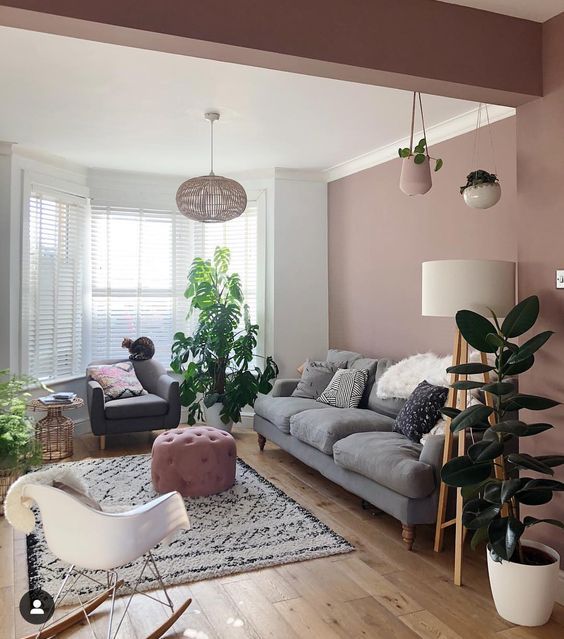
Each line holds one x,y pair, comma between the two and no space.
482,189
415,178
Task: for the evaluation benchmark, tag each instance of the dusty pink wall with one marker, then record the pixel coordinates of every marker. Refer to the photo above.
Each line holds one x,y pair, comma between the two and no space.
378,238
540,170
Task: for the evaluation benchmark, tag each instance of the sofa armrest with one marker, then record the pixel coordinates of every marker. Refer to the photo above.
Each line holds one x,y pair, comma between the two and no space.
432,452
284,387
167,387
96,404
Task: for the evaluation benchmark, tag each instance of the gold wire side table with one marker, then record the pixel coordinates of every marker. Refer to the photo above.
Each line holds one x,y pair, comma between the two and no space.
55,431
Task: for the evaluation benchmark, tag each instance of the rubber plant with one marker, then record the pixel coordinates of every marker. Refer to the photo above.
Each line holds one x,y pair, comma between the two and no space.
479,176
215,362
493,499
18,448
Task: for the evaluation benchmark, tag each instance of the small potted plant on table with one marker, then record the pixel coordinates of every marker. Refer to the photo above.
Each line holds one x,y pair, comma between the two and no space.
216,361
496,482
18,448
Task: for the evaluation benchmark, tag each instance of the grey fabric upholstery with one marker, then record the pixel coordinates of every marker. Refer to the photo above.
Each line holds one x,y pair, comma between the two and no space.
316,377
322,428
389,407
370,365
143,406
334,355
278,410
408,511
390,459
284,387
160,408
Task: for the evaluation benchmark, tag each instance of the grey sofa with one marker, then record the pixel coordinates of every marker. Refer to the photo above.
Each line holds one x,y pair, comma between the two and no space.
159,408
356,448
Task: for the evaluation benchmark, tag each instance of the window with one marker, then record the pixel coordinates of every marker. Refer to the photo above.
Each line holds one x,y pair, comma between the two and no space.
140,262
53,291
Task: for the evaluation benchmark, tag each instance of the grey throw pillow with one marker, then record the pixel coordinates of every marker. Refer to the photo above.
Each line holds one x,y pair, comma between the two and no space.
315,378
345,389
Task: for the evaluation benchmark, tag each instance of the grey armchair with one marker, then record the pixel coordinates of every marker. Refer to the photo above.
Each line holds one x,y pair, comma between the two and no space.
160,408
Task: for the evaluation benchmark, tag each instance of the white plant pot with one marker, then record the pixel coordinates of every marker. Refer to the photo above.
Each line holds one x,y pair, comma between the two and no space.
415,179
213,417
525,595
482,196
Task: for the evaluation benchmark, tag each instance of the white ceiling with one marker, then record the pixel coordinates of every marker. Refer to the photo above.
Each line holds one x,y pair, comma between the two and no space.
115,107
537,10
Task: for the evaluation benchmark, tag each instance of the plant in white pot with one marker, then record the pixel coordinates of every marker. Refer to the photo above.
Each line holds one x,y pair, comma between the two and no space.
496,482
482,189
415,178
218,380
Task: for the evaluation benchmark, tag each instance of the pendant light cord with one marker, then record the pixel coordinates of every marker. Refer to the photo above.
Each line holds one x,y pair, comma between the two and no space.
211,148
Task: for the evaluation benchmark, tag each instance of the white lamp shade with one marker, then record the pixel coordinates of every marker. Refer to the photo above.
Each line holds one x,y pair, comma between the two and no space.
449,286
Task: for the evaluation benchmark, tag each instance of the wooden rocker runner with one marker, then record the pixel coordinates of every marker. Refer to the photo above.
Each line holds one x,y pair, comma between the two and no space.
90,539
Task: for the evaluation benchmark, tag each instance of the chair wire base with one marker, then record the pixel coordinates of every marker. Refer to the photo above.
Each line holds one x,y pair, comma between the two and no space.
73,575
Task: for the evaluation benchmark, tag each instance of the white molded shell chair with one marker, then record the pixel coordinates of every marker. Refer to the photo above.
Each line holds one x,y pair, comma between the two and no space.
89,539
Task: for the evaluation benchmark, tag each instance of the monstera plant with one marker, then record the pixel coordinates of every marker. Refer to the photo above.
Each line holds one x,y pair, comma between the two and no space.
494,476
216,361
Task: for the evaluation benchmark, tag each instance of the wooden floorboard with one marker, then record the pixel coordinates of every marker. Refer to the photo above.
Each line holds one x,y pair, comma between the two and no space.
379,591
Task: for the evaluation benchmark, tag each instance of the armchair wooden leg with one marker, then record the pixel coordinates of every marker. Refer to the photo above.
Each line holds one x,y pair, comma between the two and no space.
102,442
261,442
408,535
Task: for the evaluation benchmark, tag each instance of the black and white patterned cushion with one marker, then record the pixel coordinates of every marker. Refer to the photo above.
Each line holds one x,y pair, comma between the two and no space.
345,389
421,411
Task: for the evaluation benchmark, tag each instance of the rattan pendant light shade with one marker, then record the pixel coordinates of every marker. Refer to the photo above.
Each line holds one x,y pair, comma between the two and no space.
211,198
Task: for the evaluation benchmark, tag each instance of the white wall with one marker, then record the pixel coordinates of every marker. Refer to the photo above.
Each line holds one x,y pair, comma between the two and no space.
297,248
5,252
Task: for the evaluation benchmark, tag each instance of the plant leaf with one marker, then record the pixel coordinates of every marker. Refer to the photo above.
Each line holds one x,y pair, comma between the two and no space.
533,497
504,534
447,411
522,460
508,488
419,158
467,385
485,450
499,388
551,460
438,165
460,471
521,318
479,537
471,416
530,347
472,368
519,367
533,521
531,402
475,328
478,513
404,153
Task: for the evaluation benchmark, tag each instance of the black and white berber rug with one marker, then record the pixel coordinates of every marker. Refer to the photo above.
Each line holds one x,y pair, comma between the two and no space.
252,525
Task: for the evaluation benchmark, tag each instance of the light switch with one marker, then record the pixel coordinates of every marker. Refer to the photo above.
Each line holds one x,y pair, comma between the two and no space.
560,279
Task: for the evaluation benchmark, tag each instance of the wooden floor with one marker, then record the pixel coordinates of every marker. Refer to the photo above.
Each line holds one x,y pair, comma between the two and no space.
380,590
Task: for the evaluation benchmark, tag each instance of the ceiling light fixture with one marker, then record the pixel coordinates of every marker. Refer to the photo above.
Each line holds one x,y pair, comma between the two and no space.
211,198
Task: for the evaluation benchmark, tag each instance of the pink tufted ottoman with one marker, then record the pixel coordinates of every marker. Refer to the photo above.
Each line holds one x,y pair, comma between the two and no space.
195,461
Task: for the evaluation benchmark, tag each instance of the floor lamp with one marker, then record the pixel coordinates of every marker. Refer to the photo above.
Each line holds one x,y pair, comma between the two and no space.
447,287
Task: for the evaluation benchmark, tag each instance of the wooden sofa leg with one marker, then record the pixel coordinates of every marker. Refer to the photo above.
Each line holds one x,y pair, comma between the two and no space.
408,535
261,442
102,442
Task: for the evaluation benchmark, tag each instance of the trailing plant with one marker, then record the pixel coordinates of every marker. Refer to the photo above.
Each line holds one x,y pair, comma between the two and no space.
216,360
479,176
18,448
419,153
489,473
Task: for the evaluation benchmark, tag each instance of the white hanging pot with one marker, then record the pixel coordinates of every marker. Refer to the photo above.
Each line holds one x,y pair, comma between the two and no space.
213,417
482,196
525,594
415,179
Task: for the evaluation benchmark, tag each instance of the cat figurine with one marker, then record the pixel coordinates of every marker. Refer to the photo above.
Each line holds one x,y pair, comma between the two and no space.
140,349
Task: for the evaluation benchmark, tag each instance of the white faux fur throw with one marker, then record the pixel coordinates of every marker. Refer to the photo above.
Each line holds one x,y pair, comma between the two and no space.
18,512
401,379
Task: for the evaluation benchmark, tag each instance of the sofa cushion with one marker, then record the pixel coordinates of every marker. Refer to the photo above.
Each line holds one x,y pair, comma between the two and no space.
389,407
370,365
278,410
148,405
315,378
421,411
389,459
346,388
322,428
334,355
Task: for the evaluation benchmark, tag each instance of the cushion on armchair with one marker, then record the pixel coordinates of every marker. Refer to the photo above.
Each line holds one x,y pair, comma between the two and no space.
315,377
117,380
147,405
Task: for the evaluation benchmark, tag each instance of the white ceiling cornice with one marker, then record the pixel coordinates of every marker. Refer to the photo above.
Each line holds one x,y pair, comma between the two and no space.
437,133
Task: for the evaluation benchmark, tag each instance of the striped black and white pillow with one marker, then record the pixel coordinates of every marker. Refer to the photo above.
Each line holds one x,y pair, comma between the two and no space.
345,389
